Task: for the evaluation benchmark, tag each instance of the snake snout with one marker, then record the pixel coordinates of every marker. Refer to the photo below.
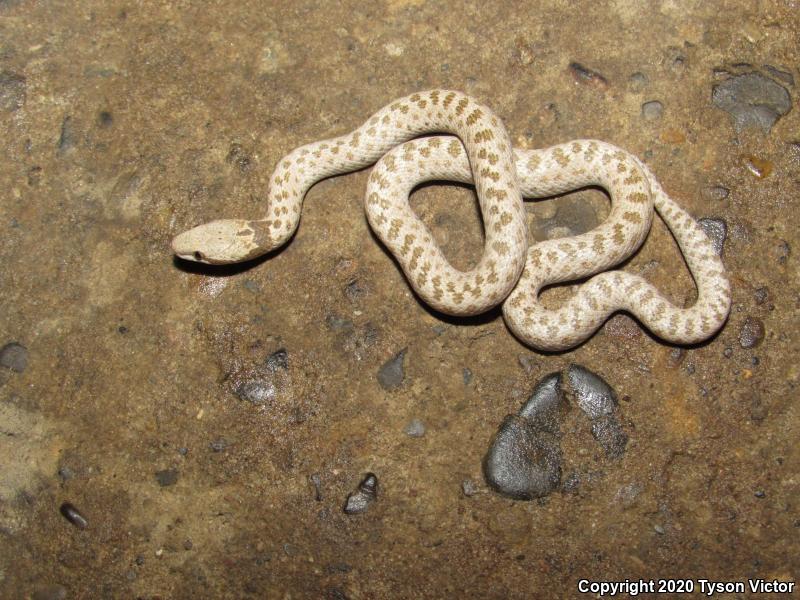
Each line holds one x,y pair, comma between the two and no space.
216,243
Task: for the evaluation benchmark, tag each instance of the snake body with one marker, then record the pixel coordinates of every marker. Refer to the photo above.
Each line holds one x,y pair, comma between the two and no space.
509,271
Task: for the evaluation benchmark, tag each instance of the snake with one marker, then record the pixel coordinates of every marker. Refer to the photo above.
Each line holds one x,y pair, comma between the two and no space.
471,145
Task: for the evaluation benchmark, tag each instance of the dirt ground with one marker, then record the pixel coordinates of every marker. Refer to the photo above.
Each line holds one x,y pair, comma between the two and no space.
209,424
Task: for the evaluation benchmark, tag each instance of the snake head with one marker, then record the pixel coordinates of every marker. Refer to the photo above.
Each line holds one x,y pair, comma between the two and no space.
222,242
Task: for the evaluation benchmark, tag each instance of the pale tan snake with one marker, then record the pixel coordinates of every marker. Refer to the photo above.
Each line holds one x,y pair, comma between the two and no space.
501,176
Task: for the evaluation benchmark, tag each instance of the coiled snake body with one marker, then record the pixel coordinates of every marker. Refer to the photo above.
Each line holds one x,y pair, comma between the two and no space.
509,271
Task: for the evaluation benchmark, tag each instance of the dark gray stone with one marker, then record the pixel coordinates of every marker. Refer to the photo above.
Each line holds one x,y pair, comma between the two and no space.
278,360
237,155
761,295
586,75
316,481
637,81
12,91
542,409
391,373
14,356
753,100
523,462
355,291
752,332
105,119
595,397
652,111
415,428
367,492
717,231
257,391
573,217
219,445
167,477
73,515
67,139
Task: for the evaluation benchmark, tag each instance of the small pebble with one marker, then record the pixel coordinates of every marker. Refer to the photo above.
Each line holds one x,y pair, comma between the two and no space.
257,391
717,231
278,360
760,494
758,410
316,481
781,252
527,362
717,193
761,295
468,488
728,352
72,515
391,373
752,333
237,155
167,477
14,356
251,286
571,483
466,376
12,91
367,492
659,529
218,445
637,81
652,111
627,494
415,428
105,118
355,291
587,76
188,545
68,138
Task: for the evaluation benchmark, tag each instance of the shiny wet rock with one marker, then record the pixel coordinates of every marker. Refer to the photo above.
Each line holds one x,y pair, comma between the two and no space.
523,462
753,100
359,500
524,457
595,397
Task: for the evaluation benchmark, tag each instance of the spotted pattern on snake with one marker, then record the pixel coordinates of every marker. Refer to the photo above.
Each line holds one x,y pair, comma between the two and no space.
482,154
555,170
490,154
633,190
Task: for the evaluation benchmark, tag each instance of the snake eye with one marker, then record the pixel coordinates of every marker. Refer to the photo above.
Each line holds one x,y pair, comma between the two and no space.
198,256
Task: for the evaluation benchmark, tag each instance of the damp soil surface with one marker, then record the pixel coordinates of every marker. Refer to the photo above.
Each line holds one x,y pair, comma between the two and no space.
175,431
